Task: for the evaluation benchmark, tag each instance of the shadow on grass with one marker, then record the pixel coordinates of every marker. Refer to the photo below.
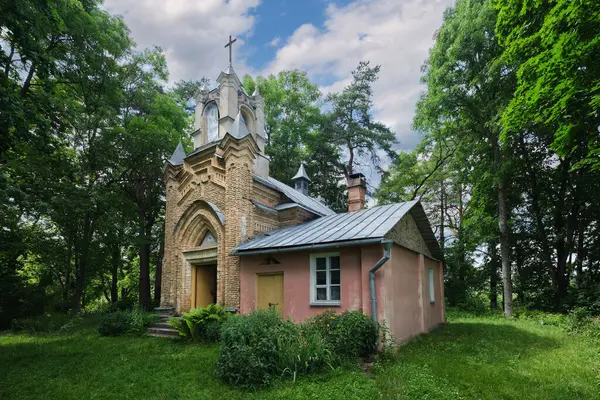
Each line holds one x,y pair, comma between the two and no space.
77,365
485,360
493,342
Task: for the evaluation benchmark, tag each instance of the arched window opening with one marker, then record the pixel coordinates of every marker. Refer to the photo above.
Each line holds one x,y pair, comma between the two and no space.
212,122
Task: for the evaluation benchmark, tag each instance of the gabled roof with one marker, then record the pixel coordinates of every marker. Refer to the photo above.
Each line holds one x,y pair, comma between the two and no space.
305,201
370,225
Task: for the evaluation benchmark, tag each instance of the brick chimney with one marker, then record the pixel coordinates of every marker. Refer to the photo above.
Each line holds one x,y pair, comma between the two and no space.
357,191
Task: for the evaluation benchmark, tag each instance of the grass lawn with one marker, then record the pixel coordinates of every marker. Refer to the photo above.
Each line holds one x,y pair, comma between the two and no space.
482,358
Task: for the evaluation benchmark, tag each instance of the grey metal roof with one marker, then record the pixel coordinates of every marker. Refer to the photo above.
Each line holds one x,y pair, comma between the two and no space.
372,223
178,155
305,201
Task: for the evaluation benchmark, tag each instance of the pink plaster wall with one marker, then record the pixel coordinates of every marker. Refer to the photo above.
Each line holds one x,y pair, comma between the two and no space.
369,255
296,282
403,314
432,313
401,285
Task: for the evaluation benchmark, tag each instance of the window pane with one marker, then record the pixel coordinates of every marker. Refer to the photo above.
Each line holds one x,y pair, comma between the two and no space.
334,277
431,286
321,278
321,263
335,293
243,126
212,119
321,293
335,262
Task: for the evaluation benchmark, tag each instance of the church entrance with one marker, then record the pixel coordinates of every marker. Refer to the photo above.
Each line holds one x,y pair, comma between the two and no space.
205,285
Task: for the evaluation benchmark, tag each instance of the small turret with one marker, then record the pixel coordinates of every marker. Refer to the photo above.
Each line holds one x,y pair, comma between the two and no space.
178,155
301,180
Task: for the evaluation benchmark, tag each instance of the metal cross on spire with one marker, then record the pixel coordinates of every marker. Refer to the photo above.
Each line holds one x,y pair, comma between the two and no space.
229,44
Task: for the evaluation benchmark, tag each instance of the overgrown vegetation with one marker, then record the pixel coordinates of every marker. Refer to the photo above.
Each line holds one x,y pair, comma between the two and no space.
45,323
483,357
202,323
258,348
120,322
350,334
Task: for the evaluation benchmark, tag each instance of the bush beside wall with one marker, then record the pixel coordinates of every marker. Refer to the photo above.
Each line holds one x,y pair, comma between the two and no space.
259,347
119,323
202,323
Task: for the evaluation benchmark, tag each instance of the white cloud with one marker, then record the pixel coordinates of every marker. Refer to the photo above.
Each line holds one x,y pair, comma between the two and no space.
394,33
275,41
192,33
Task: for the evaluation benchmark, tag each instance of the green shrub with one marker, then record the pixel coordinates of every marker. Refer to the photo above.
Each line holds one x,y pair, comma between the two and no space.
248,354
259,347
140,321
203,323
580,321
475,304
115,324
351,334
47,322
541,317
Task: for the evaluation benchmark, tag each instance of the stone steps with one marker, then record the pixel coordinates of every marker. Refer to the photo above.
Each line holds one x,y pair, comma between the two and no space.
162,331
162,327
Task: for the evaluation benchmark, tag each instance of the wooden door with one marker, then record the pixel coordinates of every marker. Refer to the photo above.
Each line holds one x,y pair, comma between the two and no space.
270,292
205,278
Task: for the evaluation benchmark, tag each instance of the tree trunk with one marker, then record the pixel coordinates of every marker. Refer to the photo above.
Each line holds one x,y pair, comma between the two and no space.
159,264
82,266
116,258
442,211
503,216
505,250
565,230
580,252
493,268
67,289
144,298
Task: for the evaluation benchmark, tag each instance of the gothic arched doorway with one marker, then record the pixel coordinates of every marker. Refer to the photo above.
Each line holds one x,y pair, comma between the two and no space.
200,234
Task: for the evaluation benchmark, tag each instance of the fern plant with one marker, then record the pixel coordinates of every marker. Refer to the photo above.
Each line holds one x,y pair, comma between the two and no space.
201,324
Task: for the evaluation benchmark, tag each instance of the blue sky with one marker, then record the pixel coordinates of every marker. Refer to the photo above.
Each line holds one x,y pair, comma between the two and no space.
277,20
325,38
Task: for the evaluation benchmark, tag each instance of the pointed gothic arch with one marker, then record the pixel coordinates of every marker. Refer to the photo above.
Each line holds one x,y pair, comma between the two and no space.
200,219
249,118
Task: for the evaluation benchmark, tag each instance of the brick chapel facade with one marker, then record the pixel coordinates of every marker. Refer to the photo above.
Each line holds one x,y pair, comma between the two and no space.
220,195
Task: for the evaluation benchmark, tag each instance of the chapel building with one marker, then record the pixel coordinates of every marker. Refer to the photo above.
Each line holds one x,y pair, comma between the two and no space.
236,236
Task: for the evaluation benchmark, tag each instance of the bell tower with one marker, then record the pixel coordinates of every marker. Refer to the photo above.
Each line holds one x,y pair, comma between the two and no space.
228,108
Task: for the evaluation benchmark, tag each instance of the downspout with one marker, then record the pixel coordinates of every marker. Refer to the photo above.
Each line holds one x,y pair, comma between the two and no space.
387,246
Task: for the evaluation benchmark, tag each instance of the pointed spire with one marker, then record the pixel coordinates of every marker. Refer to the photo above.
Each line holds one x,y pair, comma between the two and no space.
205,87
301,180
301,173
178,155
256,92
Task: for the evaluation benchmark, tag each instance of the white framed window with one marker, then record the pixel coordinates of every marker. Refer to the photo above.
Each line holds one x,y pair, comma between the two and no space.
325,279
431,286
